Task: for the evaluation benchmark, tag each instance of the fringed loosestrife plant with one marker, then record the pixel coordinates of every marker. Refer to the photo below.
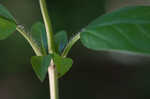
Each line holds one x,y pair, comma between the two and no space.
123,30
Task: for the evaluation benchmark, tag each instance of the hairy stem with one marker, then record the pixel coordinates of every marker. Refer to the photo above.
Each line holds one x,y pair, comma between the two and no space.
48,26
70,44
33,44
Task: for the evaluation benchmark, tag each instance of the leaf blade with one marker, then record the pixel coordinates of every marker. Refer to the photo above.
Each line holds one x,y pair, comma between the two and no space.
40,65
39,33
5,13
63,65
124,30
7,23
61,40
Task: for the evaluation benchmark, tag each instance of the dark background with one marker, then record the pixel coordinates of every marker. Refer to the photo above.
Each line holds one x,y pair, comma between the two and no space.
94,75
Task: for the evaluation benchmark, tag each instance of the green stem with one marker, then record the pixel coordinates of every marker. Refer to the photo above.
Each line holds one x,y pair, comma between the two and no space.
70,44
48,26
30,40
51,48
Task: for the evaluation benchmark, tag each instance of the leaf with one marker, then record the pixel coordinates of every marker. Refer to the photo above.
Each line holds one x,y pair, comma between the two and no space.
44,43
37,30
61,40
63,65
39,34
126,29
7,23
40,65
6,28
5,13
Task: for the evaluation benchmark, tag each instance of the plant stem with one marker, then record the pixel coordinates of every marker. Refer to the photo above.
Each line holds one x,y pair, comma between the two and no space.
30,40
53,82
70,44
48,26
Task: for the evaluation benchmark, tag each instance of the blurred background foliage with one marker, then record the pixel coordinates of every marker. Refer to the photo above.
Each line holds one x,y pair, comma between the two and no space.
94,75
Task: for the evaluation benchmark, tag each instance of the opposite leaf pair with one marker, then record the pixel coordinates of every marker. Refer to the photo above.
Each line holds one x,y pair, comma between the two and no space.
38,32
40,65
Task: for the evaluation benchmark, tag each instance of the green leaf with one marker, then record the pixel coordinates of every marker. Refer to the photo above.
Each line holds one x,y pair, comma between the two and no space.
126,29
44,43
6,28
37,30
63,65
39,34
61,40
40,65
5,13
7,23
